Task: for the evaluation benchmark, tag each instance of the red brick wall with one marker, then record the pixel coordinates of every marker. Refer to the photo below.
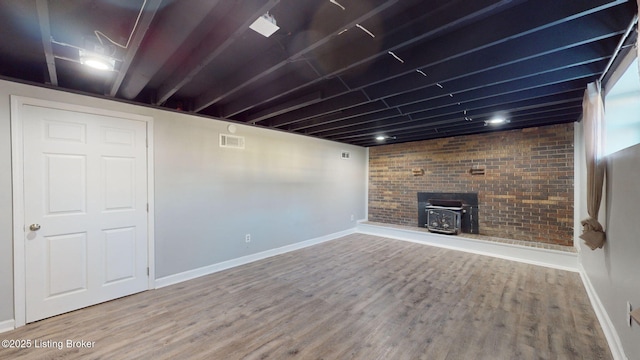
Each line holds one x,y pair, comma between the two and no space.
526,192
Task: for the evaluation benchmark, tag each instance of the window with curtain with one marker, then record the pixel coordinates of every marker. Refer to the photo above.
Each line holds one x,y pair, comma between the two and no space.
622,109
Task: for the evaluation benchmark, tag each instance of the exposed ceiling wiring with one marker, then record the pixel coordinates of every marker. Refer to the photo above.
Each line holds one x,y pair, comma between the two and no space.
365,30
395,56
334,2
100,34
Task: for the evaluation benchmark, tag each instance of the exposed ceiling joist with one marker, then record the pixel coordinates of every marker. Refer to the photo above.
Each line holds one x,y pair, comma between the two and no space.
373,109
461,127
434,131
267,66
503,74
176,23
503,90
422,120
328,87
347,101
434,22
408,70
295,104
594,31
45,32
535,48
148,13
214,46
516,22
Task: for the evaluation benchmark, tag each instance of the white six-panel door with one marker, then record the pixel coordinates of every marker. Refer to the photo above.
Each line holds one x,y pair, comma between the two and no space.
85,209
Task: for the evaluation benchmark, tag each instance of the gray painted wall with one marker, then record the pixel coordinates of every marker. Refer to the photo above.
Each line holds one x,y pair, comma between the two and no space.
614,271
281,189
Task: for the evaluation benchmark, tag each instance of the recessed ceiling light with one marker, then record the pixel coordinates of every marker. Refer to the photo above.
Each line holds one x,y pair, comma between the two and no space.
496,121
385,137
265,25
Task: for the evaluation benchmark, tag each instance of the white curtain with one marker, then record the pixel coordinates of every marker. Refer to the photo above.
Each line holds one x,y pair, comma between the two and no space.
593,119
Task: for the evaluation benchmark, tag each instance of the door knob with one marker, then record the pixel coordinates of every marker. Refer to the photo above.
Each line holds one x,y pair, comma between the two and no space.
34,227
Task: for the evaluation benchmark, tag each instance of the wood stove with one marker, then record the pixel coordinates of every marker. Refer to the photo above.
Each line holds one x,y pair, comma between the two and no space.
444,216
448,213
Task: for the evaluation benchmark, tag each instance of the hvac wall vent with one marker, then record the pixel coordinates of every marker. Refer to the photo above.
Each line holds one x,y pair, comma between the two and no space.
231,141
345,155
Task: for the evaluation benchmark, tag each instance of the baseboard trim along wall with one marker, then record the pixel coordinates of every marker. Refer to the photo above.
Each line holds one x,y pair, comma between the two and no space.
210,269
617,351
7,325
536,256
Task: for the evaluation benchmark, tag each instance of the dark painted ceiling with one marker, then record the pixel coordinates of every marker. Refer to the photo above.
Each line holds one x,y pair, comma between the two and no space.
406,69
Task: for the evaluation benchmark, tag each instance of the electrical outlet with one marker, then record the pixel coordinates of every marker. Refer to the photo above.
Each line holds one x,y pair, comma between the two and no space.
353,217
629,319
247,238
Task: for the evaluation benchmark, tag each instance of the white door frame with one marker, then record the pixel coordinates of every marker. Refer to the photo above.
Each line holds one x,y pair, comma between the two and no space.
17,171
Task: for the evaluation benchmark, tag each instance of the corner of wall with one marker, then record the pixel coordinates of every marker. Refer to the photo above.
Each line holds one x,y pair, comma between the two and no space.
366,186
610,333
604,271
578,155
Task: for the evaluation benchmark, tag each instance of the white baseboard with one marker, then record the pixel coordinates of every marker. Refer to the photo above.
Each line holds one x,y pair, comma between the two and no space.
7,325
617,351
210,269
536,256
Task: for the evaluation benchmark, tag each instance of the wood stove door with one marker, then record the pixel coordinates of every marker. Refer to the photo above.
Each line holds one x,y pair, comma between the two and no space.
443,221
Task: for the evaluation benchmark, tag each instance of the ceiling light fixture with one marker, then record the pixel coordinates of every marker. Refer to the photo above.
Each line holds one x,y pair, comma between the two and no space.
496,121
265,25
384,137
97,61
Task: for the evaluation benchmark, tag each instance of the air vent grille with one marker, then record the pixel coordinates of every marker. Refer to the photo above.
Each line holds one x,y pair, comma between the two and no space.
231,141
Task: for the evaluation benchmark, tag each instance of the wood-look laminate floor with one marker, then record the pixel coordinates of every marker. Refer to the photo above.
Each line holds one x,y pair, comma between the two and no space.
358,297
